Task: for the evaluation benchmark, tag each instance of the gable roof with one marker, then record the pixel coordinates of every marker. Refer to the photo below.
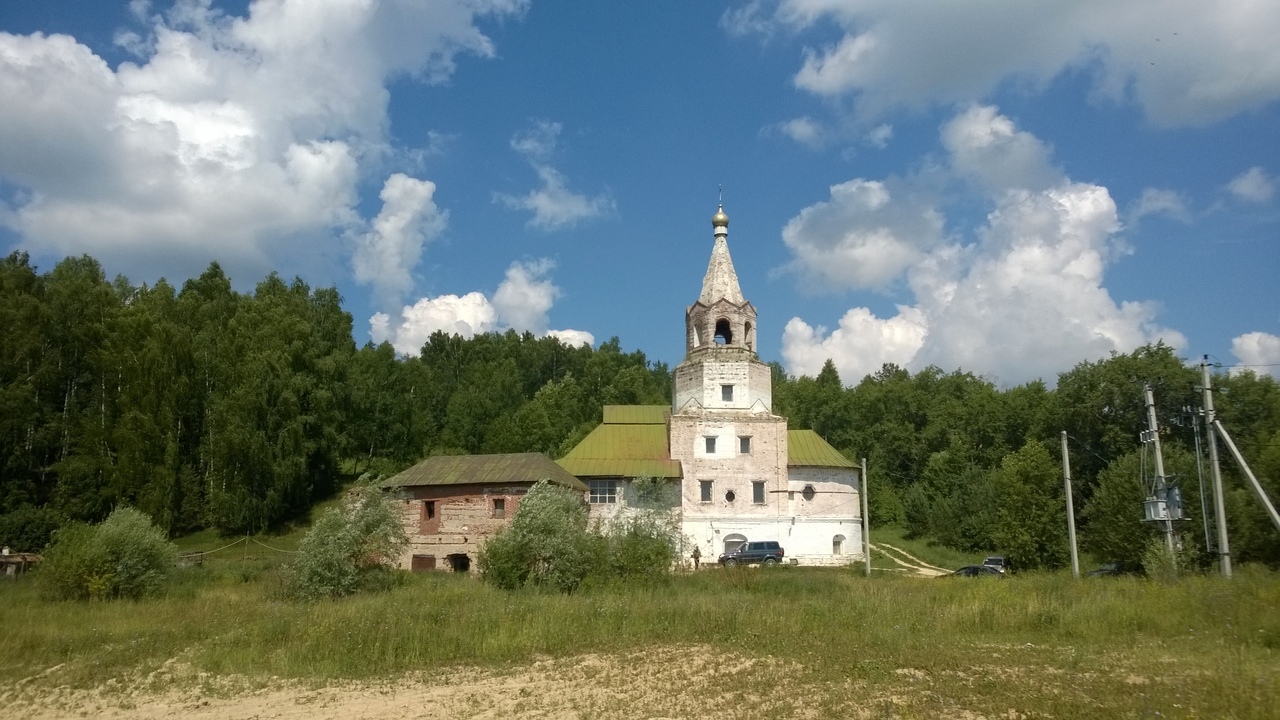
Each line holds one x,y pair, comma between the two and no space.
631,442
806,448
485,470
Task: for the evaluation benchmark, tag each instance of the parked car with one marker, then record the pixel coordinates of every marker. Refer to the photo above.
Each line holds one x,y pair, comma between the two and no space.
997,563
976,571
764,552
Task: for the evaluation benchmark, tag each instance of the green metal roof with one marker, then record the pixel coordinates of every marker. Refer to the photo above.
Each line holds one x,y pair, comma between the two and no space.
624,450
805,448
485,470
636,414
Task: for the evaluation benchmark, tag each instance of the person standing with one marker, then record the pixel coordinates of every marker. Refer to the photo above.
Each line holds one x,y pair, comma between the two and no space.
697,557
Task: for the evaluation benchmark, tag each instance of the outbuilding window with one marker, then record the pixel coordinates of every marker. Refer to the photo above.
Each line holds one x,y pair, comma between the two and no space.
499,508
603,492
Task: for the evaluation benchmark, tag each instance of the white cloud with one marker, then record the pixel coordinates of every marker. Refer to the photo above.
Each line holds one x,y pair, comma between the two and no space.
804,130
986,147
388,252
1155,201
1025,301
526,295
866,235
1259,349
521,302
234,138
1252,185
1180,60
880,135
553,205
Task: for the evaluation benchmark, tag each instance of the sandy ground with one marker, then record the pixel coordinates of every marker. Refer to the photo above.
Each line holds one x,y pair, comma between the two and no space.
693,682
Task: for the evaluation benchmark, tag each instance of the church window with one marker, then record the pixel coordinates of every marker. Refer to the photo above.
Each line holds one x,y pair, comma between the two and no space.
603,492
499,508
730,496
744,444
837,545
724,333
726,393
711,445
705,486
808,492
757,492
747,337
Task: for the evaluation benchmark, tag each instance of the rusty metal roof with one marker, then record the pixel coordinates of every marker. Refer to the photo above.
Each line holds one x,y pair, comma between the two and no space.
636,414
631,442
806,448
485,470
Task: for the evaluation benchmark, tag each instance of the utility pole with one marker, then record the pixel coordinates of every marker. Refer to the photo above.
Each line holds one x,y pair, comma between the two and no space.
1219,507
1248,472
1160,484
1071,510
866,520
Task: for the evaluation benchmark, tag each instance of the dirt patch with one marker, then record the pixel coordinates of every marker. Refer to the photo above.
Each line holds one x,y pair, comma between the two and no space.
691,682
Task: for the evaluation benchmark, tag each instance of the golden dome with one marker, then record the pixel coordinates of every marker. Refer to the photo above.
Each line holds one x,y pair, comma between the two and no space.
720,219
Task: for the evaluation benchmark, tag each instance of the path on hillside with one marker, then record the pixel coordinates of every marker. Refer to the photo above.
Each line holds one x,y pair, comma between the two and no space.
912,563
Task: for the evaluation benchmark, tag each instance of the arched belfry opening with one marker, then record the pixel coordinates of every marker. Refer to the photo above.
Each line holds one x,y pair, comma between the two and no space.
748,338
724,332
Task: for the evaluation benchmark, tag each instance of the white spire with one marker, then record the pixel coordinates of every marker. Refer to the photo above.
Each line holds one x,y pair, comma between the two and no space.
721,281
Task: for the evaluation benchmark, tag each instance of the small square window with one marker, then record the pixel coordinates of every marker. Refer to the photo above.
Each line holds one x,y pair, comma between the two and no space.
757,492
603,492
744,445
711,445
705,486
499,507
726,393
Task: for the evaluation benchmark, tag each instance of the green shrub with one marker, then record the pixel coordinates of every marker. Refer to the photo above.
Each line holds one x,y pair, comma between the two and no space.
351,547
29,528
125,556
547,544
643,545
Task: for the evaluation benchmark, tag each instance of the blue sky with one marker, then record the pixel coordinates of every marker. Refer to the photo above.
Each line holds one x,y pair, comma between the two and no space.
1004,191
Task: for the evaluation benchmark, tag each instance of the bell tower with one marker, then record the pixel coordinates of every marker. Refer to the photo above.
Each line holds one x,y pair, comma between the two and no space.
721,370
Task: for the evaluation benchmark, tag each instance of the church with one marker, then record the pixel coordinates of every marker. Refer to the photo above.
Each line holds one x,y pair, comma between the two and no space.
743,474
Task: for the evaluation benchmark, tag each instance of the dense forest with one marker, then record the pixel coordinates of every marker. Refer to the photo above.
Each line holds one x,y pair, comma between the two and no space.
209,408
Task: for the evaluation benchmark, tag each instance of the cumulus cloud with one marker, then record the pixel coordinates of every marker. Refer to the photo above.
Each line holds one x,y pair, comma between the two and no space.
231,138
1253,186
1259,349
386,254
521,303
553,205
1024,301
1179,60
804,130
986,147
866,235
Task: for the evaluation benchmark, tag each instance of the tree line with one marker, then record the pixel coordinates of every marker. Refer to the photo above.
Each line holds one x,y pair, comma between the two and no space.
205,407
955,458
209,408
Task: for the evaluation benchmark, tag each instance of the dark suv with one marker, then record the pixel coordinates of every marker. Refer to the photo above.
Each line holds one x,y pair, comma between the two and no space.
765,552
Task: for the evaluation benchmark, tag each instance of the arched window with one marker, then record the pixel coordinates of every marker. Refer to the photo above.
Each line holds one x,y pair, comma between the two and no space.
724,333
733,542
747,337
837,545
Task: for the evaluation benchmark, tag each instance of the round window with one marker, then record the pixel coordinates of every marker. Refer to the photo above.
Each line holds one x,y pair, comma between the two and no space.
730,496
808,492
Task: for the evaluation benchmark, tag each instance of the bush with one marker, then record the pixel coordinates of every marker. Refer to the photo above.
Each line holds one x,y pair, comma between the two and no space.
547,544
29,529
643,545
350,548
126,556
